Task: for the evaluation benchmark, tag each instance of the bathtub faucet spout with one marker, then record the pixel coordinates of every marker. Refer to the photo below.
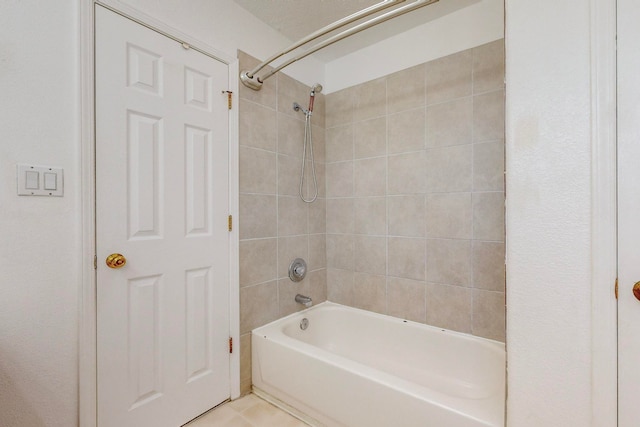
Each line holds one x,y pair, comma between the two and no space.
306,301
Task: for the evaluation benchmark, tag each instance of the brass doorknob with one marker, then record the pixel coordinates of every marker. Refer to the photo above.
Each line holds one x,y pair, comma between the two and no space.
636,290
116,261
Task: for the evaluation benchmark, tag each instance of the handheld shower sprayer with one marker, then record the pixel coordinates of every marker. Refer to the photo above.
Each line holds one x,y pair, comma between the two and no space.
316,88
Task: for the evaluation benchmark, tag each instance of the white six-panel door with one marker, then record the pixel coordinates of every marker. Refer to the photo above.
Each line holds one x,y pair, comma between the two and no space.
628,211
162,202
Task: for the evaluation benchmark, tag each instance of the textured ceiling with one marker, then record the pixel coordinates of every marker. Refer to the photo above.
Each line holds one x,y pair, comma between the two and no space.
298,18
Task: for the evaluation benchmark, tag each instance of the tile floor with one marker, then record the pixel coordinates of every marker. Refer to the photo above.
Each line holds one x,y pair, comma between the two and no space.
248,411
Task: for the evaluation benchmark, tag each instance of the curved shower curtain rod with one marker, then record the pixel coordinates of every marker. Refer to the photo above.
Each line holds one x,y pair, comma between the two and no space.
251,80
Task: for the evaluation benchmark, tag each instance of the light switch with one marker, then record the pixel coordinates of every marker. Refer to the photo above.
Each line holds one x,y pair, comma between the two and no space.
32,180
40,181
50,181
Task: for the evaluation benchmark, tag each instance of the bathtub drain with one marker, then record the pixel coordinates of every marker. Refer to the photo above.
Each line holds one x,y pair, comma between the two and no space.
304,323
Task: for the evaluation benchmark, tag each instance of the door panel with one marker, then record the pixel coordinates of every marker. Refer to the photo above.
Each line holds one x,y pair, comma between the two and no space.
628,210
161,201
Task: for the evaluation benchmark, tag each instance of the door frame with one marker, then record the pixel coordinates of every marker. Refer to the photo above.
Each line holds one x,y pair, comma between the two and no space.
87,332
604,212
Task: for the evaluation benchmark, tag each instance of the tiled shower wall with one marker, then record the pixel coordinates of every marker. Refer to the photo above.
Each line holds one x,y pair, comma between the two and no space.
415,193
275,225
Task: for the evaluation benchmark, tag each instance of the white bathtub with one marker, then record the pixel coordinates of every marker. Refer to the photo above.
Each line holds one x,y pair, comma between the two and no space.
360,369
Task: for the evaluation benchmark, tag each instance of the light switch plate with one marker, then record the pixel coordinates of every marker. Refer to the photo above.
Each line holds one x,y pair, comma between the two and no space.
40,181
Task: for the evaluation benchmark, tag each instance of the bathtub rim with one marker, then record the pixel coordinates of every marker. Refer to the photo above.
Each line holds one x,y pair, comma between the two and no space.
330,304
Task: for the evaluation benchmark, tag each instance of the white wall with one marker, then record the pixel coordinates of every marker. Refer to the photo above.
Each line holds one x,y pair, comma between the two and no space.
39,237
472,26
548,163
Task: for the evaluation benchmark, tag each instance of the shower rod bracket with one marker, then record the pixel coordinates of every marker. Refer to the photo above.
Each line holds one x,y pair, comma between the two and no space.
250,82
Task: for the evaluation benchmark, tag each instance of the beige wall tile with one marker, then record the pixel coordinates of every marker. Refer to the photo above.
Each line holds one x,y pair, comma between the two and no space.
406,215
245,357
289,175
488,67
290,248
340,286
257,216
488,216
257,171
370,215
406,89
258,305
450,123
340,251
370,138
320,179
320,110
370,254
370,100
317,216
449,169
449,215
339,143
339,178
267,94
449,307
340,216
489,314
257,126
317,285
317,252
318,137
488,265
257,261
369,292
449,77
406,173
406,299
290,91
370,177
406,258
488,116
406,131
245,387
364,127
292,216
290,135
488,166
449,261
339,107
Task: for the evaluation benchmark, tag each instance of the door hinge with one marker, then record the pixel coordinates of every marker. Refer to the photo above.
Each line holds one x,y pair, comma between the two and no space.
230,222
616,288
95,262
229,98
230,345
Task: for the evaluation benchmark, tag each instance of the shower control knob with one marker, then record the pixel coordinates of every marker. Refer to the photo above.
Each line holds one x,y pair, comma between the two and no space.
297,269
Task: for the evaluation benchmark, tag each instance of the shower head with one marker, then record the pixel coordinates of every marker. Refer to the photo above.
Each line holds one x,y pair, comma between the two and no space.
316,88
